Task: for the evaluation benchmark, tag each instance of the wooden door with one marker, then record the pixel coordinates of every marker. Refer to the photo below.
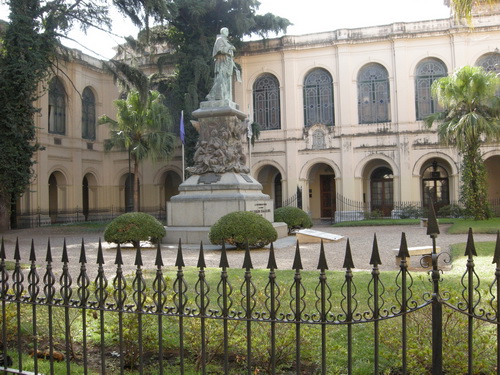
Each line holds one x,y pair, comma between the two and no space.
327,195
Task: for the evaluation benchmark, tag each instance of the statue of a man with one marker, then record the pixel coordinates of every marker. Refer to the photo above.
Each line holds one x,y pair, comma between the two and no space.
223,53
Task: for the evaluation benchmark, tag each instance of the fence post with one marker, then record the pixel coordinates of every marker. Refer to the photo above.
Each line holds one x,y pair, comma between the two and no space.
437,307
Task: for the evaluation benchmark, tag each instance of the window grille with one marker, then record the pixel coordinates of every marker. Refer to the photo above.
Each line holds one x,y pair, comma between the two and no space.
88,114
57,107
490,62
266,102
427,72
373,94
318,98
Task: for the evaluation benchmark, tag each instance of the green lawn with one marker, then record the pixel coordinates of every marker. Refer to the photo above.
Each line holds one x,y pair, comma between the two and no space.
458,226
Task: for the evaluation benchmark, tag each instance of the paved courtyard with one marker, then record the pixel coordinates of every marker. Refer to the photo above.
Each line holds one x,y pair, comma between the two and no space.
360,238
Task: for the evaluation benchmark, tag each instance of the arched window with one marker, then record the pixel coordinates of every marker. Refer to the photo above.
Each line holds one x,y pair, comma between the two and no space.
435,186
266,102
88,114
373,94
318,98
57,107
490,62
427,71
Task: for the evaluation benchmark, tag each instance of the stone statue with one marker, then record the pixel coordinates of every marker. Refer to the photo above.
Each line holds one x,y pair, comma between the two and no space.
223,53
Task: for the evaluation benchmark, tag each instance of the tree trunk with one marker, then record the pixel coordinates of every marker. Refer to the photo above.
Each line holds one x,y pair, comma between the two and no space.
136,185
4,214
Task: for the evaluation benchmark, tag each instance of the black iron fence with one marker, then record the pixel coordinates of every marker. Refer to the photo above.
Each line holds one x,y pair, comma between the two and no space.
346,209
39,217
186,320
295,200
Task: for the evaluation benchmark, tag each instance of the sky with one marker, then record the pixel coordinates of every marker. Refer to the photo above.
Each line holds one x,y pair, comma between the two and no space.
309,16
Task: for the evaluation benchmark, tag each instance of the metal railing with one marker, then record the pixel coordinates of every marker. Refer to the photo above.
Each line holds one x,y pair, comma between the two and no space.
40,218
172,304
295,200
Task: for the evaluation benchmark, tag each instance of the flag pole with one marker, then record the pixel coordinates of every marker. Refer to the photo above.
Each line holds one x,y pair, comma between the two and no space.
183,169
182,134
249,136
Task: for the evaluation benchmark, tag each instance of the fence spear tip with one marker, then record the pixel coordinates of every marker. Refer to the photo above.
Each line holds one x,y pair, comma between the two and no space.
348,262
247,262
64,258
297,261
100,255
118,258
83,257
470,248
403,247
432,224
375,257
32,251
496,256
201,258
48,257
223,257
138,257
2,249
179,262
159,259
17,253
271,262
322,263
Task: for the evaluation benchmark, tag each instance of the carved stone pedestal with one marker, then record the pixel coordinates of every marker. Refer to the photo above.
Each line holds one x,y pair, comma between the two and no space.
204,199
220,183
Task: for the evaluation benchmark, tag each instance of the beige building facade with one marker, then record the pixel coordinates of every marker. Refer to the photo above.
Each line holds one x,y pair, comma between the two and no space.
340,114
342,111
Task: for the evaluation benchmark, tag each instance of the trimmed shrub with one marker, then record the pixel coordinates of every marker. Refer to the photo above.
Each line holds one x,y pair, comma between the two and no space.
134,227
294,218
236,228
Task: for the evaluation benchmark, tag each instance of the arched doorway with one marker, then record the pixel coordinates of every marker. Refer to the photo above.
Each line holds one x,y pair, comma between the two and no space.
382,191
270,178
278,191
129,193
492,165
89,196
57,185
435,185
85,198
322,192
171,184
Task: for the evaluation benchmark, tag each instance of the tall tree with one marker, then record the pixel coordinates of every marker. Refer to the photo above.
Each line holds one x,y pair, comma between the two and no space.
470,117
190,30
30,46
143,128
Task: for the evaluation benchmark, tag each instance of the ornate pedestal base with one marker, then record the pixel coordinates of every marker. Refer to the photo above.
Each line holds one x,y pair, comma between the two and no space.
220,183
204,199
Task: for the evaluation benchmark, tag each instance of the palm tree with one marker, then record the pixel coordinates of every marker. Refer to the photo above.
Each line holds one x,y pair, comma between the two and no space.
143,127
463,8
470,117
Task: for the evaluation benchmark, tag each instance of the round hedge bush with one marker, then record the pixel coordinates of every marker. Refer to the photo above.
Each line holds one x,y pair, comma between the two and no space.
239,227
134,227
293,217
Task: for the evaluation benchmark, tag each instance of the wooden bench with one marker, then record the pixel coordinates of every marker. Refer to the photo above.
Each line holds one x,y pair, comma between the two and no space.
420,252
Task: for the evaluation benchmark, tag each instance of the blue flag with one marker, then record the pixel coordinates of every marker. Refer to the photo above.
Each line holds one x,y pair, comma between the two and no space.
183,134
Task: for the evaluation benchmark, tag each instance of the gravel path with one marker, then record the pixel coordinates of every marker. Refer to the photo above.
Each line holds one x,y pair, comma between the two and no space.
360,238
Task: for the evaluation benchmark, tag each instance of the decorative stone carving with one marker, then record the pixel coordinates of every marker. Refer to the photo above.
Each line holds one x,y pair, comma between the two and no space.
219,148
318,140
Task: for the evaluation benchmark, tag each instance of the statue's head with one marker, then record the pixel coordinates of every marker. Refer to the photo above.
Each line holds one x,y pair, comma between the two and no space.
224,31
